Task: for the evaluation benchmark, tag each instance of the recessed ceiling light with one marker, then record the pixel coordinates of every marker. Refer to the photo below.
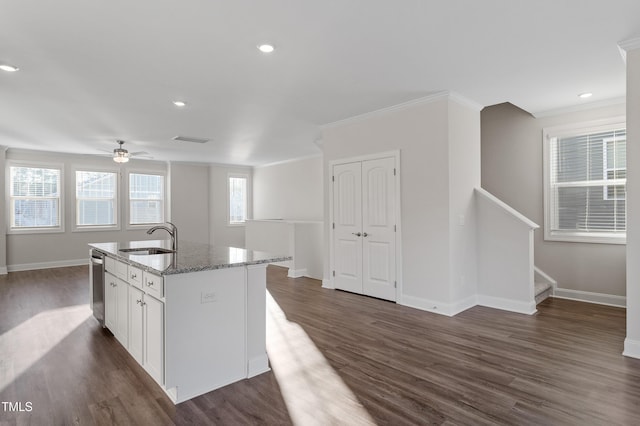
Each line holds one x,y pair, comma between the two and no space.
585,95
179,103
8,68
266,48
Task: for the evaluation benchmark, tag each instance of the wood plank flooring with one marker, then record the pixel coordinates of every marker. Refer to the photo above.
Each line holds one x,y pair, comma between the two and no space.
336,358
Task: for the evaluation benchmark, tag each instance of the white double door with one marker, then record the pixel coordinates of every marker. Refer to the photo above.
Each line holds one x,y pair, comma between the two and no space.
364,227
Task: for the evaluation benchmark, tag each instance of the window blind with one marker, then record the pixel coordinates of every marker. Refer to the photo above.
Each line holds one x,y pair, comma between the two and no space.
95,198
146,198
35,197
588,182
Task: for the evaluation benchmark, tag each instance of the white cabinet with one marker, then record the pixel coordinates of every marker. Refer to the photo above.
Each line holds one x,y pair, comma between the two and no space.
146,332
116,311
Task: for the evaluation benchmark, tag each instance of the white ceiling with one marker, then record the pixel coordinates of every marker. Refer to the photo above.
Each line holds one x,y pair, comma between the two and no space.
95,71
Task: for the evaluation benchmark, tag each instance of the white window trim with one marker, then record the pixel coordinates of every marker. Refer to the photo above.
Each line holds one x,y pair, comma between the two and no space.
247,177
606,170
548,133
39,165
117,213
127,202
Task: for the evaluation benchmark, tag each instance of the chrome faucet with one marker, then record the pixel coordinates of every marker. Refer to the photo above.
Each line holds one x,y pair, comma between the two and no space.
173,232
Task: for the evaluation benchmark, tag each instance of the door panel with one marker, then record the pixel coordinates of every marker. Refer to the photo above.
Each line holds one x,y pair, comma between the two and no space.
135,323
122,319
378,208
347,214
154,338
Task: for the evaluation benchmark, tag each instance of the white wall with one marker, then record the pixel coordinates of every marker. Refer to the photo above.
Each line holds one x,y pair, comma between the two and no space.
30,251
512,171
421,132
505,256
291,190
464,176
632,342
220,232
190,201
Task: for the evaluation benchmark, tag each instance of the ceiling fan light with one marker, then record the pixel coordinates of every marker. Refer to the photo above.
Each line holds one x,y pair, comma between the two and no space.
120,155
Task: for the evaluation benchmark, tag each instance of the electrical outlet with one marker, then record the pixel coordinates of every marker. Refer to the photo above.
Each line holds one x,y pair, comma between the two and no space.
208,297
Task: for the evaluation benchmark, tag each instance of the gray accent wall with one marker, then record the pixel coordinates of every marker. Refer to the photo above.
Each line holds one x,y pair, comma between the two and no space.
189,198
512,163
3,219
196,203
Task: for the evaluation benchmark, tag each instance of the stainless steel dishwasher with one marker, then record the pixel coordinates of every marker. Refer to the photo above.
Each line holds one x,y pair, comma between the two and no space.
96,282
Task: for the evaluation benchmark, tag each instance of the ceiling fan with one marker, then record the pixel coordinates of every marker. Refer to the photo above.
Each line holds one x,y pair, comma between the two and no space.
122,155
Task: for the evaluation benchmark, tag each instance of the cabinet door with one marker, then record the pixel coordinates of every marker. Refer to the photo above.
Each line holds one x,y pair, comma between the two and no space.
122,317
136,299
154,338
110,302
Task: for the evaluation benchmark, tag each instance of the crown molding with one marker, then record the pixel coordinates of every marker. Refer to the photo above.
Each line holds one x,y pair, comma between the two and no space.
434,97
628,45
580,107
464,101
290,160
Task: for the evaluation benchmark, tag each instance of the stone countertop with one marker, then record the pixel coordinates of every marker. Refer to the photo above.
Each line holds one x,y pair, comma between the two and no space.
191,256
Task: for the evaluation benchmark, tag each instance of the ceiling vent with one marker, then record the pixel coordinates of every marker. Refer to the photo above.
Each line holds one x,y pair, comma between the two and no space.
190,139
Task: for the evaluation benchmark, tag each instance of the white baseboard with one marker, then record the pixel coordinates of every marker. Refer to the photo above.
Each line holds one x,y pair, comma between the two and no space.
587,296
3,270
47,265
328,283
442,308
631,348
527,308
464,304
297,273
257,365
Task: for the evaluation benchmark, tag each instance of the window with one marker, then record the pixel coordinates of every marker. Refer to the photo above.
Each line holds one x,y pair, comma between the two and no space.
237,200
585,182
35,198
146,199
96,199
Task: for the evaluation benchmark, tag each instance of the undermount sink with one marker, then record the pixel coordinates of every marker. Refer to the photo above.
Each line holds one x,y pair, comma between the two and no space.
147,250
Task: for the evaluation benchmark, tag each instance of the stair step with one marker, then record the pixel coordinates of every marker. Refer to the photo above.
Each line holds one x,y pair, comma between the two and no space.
542,291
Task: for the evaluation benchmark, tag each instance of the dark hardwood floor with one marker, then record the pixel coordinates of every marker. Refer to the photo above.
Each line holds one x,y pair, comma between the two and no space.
336,358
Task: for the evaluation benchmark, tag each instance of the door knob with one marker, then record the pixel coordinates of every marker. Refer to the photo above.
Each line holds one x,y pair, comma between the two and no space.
357,234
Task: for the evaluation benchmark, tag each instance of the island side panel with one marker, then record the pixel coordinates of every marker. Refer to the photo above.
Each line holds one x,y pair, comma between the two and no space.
205,331
258,362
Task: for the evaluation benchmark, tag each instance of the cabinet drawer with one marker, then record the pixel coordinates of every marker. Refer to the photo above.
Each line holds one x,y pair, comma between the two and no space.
110,265
153,284
135,276
121,270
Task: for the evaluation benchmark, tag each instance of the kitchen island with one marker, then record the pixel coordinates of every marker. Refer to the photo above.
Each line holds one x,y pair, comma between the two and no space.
195,318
